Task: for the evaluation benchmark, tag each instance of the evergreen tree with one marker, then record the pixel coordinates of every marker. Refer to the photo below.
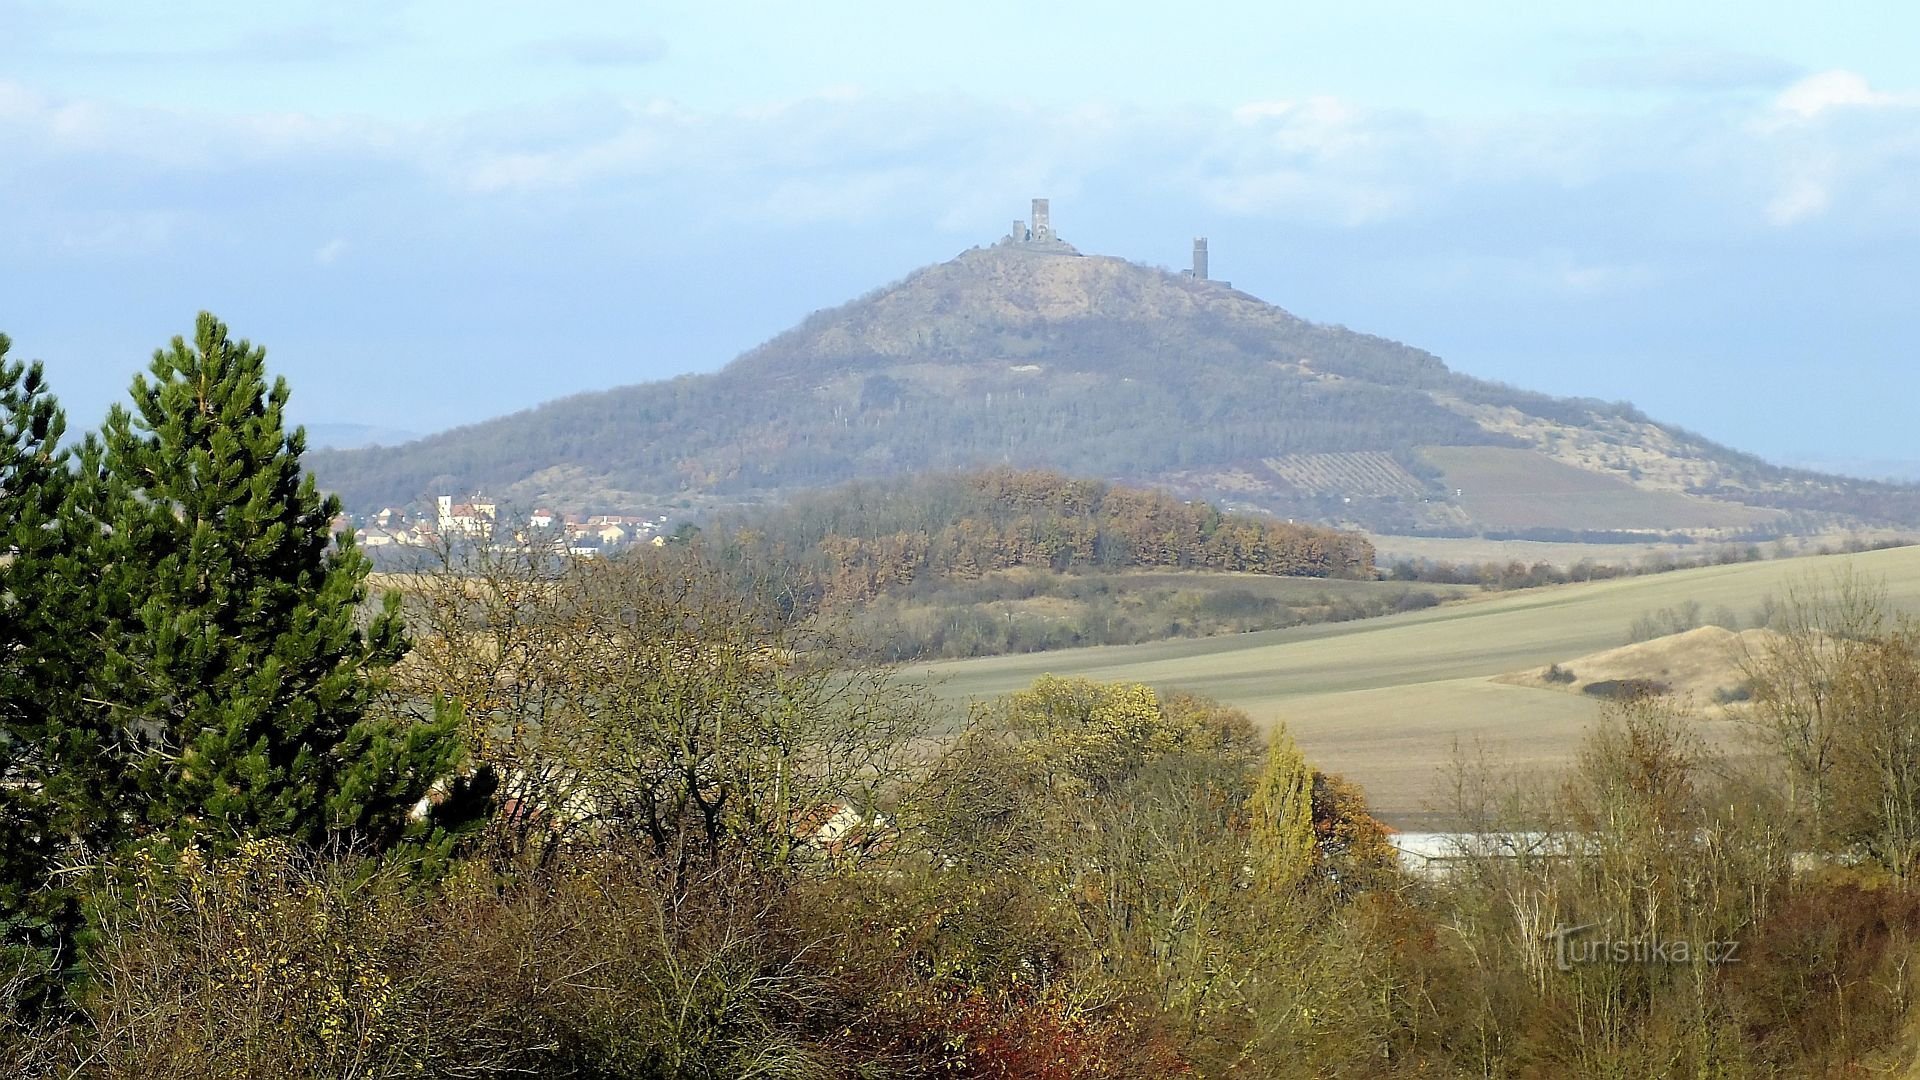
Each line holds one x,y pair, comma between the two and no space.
233,658
39,650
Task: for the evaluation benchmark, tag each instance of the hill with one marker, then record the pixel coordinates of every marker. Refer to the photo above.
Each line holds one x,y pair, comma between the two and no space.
1036,355
1386,701
857,541
1005,560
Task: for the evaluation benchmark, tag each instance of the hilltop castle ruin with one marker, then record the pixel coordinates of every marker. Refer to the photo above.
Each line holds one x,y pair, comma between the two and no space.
1041,231
1037,234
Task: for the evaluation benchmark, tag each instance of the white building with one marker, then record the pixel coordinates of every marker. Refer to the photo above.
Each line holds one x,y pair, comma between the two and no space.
474,517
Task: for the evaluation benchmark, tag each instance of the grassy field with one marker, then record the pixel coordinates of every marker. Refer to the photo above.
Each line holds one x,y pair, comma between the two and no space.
1511,488
1385,700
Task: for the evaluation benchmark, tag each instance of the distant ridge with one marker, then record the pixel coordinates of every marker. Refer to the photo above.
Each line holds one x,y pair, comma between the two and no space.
1030,353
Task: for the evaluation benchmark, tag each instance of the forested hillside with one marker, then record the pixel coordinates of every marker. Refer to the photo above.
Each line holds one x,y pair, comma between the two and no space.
858,541
1097,367
972,564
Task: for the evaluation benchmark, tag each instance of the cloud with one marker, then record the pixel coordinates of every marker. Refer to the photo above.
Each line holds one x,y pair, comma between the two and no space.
600,51
1684,69
1835,144
1828,90
850,157
36,126
331,251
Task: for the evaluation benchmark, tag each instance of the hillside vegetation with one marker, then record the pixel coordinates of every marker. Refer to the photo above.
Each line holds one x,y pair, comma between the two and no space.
1005,560
1097,367
860,540
1021,611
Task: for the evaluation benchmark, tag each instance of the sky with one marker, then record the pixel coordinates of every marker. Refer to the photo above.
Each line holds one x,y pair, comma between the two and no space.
432,213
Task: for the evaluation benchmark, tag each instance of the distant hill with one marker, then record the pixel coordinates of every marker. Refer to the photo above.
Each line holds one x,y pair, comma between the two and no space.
1038,356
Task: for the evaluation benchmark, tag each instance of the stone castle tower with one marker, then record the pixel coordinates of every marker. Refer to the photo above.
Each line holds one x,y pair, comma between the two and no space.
1041,229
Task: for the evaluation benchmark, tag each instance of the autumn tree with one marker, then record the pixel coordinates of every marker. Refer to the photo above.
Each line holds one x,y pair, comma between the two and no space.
1281,814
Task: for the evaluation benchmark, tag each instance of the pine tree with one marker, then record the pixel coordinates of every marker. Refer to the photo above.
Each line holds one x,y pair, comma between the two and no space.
233,658
58,780
31,475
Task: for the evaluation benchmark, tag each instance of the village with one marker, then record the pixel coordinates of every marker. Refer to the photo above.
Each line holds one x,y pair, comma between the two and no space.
479,519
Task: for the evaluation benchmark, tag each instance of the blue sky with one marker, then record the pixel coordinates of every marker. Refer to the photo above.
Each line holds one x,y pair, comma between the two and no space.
432,213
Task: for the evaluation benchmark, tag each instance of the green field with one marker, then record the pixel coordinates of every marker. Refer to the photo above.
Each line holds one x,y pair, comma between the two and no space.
1384,701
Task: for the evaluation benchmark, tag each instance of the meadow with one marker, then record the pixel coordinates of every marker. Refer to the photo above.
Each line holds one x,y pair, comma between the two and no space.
1386,701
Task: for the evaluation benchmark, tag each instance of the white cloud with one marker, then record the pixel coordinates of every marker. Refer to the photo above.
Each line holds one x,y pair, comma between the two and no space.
1832,144
944,159
1827,90
331,251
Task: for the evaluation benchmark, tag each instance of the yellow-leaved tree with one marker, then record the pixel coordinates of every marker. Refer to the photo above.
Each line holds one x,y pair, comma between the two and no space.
1280,813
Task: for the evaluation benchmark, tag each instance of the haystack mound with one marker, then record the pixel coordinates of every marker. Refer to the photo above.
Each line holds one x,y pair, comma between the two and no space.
1703,663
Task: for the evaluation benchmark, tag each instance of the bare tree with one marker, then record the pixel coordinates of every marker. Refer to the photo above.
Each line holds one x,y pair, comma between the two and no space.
1794,674
660,696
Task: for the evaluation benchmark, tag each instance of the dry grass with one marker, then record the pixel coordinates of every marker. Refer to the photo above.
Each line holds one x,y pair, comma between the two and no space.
1510,488
1476,550
1702,663
1385,700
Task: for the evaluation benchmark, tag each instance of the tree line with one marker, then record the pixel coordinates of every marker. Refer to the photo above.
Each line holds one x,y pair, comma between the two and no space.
860,541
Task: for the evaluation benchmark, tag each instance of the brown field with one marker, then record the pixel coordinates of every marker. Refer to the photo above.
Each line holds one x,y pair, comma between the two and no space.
1701,664
1386,700
1474,549
1512,488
